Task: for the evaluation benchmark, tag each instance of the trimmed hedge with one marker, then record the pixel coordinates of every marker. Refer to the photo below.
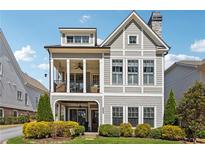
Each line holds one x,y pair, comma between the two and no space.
126,129
14,120
201,134
170,132
156,133
109,130
52,129
142,130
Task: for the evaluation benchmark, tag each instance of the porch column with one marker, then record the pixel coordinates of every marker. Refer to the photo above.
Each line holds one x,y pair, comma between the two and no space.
102,74
68,75
84,75
51,75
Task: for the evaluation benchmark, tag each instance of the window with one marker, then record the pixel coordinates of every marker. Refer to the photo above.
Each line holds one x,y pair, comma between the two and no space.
1,68
69,39
26,99
85,39
1,113
117,115
117,71
149,115
133,116
132,40
132,72
148,72
19,95
15,113
77,39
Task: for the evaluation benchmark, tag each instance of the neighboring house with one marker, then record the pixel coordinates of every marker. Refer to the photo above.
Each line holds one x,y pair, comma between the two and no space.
121,80
182,75
19,93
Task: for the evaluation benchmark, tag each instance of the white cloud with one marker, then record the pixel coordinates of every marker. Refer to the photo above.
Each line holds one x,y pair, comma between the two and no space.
198,46
25,54
84,18
99,41
172,58
42,66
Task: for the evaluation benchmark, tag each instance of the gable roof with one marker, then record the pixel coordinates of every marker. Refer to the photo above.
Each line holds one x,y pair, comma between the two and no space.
187,63
134,16
34,83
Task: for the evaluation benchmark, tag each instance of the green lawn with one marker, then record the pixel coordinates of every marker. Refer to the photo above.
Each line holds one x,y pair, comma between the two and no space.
98,140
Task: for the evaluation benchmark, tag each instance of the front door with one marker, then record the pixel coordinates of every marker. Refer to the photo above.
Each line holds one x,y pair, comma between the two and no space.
94,120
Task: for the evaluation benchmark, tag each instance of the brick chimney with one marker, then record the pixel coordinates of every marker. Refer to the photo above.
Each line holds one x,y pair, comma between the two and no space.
155,22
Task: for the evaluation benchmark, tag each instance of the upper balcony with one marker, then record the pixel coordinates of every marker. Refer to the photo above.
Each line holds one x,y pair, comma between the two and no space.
76,76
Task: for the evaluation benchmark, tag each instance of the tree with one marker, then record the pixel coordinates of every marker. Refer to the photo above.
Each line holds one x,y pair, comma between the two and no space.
170,110
191,110
44,112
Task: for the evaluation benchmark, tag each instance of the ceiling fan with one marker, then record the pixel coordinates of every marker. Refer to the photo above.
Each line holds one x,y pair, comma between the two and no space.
79,66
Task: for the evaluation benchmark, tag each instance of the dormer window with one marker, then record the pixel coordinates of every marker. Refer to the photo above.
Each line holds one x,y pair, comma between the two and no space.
132,39
78,39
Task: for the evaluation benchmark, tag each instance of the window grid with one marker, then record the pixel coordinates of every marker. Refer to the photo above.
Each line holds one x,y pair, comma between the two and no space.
132,72
117,115
148,115
133,116
19,95
77,39
132,39
148,71
117,71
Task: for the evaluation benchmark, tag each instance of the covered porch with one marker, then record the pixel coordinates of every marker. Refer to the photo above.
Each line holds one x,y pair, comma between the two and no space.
86,113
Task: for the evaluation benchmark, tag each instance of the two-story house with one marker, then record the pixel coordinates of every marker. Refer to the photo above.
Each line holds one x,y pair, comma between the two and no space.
19,93
121,80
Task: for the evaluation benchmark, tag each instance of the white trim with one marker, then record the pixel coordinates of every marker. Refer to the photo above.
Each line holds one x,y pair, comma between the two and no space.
84,75
111,114
68,75
148,28
155,117
2,112
76,58
110,71
120,49
123,43
124,77
142,40
103,110
135,57
155,72
124,114
51,75
163,64
102,74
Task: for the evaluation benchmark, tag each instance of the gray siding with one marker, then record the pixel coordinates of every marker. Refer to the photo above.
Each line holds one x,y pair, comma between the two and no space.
117,42
132,53
153,90
180,79
133,101
11,81
147,43
133,89
113,89
159,71
107,71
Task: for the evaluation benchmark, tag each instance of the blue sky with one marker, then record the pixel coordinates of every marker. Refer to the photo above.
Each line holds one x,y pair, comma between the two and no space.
28,31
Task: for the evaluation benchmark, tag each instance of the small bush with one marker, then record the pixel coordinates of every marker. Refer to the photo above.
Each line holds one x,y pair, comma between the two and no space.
109,130
80,130
23,119
10,120
126,129
156,133
201,134
37,130
142,130
58,128
170,132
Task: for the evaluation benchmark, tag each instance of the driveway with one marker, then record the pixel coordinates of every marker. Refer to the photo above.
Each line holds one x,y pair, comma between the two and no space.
10,133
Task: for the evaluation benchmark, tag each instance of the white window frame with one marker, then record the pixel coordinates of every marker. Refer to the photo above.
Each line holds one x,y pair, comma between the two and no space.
127,120
74,35
137,39
2,112
1,69
154,74
21,98
112,72
127,73
123,113
155,115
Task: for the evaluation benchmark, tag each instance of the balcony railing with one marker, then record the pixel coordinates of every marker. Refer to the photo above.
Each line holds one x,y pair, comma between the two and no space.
60,86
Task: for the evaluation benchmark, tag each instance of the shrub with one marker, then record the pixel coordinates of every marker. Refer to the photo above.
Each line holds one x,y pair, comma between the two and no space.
44,112
10,120
170,132
109,130
58,128
126,129
37,130
80,130
2,121
142,130
23,119
201,134
156,133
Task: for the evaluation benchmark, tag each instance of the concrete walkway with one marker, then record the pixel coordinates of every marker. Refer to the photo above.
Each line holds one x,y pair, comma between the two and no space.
8,133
